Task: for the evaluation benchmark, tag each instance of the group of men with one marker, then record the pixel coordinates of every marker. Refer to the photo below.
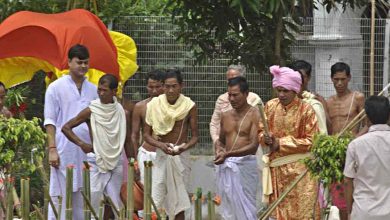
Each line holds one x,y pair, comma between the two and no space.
88,123
85,123
292,120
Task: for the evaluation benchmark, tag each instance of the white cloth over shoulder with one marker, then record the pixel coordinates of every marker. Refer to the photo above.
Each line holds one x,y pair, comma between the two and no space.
108,125
237,180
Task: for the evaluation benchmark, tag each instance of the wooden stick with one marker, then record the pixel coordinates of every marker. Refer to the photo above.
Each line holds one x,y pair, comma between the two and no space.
266,149
263,118
273,206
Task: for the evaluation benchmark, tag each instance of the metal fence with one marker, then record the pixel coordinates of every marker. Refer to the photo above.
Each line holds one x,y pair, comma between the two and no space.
321,42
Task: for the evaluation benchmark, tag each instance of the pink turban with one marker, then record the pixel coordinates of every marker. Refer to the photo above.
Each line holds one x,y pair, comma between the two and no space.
286,78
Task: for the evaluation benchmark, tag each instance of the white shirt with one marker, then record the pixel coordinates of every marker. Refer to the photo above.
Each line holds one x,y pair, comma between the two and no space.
62,103
368,163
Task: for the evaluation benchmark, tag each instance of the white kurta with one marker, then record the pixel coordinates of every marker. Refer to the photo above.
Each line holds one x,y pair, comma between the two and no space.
63,102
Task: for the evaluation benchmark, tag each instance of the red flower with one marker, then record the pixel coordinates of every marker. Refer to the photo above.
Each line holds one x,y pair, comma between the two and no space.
23,107
14,110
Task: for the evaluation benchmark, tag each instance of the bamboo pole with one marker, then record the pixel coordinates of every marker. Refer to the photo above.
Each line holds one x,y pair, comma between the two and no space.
88,201
23,197
198,204
273,206
101,208
26,199
130,193
266,149
69,192
111,203
155,207
39,213
10,201
372,47
16,199
59,207
46,196
147,186
210,207
86,189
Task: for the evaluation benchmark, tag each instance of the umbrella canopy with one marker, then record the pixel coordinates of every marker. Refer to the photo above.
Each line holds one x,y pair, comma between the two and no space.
32,41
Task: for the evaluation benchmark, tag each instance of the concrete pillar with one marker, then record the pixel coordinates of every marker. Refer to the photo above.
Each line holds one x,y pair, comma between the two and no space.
336,38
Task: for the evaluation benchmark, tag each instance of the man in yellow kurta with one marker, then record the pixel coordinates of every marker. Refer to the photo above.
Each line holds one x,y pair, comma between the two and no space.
292,125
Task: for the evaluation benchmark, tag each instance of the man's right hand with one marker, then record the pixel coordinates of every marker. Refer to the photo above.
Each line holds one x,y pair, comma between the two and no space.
166,147
268,139
54,159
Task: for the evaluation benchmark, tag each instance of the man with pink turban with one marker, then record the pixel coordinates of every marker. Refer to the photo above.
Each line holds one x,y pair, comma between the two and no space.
292,125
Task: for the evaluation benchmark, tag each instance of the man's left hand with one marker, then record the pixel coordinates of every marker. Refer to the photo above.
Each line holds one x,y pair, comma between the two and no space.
87,148
275,144
220,158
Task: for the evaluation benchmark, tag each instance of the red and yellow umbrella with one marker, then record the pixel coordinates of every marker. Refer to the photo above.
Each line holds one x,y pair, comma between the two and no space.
31,41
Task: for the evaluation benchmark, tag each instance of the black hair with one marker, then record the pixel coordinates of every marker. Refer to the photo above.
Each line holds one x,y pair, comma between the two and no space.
302,65
300,73
157,74
79,51
110,79
241,81
340,67
2,85
174,73
377,109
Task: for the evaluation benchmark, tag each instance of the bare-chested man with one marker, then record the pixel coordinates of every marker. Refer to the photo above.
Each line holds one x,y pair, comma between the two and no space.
342,108
237,174
146,152
3,93
167,122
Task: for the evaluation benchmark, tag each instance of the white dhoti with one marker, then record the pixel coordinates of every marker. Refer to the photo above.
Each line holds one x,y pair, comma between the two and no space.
105,183
168,182
237,179
144,155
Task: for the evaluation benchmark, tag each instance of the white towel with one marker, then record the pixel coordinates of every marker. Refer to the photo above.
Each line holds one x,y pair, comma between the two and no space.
108,124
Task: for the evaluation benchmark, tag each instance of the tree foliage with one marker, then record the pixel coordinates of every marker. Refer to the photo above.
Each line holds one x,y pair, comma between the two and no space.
255,33
107,10
21,141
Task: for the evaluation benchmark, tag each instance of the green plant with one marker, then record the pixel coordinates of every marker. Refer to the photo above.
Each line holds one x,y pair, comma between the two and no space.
16,100
329,154
21,141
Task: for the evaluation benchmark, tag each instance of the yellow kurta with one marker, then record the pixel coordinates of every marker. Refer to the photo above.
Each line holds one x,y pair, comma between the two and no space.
295,126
